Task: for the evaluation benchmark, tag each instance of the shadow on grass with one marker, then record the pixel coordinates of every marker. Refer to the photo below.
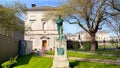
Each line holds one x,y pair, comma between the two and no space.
22,60
74,63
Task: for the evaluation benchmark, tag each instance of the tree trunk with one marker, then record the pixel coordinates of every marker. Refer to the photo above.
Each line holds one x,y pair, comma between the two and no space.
93,43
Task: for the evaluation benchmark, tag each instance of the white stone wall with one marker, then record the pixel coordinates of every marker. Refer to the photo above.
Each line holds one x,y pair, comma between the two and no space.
40,28
34,20
102,36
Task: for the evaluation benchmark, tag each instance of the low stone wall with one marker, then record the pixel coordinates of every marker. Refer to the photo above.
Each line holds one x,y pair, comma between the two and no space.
8,47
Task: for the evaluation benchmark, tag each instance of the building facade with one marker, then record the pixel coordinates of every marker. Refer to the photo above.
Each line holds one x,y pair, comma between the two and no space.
43,32
84,36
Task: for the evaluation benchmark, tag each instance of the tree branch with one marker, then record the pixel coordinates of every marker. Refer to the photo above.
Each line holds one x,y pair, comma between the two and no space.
79,23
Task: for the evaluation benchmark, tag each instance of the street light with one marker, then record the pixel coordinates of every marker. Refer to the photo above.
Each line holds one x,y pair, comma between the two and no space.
104,43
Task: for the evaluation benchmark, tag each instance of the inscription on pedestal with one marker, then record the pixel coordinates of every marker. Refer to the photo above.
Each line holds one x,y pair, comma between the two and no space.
60,51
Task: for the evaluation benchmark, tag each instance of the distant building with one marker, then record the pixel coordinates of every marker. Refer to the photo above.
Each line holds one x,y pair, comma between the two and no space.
116,38
43,31
84,36
71,37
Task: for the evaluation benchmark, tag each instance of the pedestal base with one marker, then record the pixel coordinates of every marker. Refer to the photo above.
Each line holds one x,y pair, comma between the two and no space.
60,62
60,58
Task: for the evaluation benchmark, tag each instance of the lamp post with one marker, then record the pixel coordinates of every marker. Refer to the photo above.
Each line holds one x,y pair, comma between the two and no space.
80,41
117,42
104,43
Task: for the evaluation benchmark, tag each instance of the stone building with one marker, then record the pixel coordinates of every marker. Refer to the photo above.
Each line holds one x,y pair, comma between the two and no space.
43,31
84,36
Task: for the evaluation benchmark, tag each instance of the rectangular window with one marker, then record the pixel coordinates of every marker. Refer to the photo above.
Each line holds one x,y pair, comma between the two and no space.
32,20
32,16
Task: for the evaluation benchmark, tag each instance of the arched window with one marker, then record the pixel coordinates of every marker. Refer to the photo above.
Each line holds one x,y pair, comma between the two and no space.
44,25
44,20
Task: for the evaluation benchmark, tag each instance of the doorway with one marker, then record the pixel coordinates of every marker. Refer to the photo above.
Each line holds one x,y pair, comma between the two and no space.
44,44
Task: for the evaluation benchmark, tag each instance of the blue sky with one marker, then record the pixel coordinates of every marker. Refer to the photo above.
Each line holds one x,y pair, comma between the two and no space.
37,2
68,28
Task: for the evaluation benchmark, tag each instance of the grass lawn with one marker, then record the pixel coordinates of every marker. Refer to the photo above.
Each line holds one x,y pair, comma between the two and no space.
109,46
86,55
115,52
31,61
102,51
79,64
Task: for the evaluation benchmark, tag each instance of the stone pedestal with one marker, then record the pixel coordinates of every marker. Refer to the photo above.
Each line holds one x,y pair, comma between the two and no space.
60,57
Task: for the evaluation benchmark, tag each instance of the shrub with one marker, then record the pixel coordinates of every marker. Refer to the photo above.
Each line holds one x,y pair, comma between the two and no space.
10,62
69,44
112,42
118,47
75,45
87,45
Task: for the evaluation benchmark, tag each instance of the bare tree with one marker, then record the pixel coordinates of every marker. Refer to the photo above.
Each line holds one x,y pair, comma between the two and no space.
115,4
90,15
115,17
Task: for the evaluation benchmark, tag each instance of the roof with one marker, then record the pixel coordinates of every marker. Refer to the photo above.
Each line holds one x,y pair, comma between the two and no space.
101,31
70,35
42,8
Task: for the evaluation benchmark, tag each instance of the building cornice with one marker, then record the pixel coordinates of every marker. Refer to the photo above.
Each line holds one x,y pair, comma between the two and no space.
41,30
39,34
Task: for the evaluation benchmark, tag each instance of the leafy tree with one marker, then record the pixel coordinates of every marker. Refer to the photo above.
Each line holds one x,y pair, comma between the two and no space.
112,42
10,18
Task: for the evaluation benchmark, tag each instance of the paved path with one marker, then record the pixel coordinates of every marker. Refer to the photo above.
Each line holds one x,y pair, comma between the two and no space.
91,60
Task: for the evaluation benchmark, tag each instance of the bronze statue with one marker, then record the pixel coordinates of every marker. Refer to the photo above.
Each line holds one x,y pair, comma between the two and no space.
59,23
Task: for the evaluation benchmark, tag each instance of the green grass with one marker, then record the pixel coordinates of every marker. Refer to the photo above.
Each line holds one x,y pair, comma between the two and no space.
94,56
102,51
107,46
79,64
115,52
86,55
31,61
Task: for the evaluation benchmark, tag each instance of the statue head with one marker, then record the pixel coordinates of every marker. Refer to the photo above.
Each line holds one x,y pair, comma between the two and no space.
59,16
59,20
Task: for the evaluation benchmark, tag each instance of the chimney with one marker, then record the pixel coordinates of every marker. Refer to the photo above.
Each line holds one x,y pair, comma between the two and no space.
33,5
